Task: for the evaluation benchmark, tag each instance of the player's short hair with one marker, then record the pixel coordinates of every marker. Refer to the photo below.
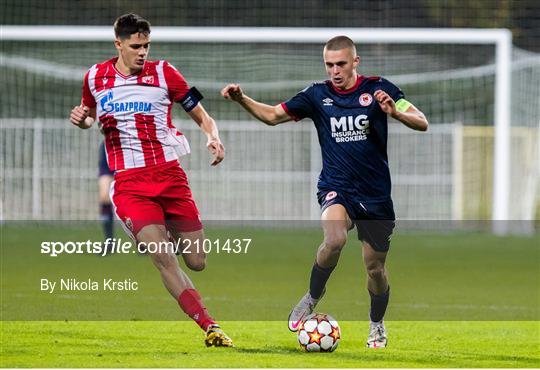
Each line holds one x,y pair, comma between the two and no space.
340,42
128,24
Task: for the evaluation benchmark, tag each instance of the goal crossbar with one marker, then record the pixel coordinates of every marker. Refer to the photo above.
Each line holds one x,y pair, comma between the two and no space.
501,39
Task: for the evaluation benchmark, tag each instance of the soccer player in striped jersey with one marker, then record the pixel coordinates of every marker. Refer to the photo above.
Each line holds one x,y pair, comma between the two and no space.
132,98
350,114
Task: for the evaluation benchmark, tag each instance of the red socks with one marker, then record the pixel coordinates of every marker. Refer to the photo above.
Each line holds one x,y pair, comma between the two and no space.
191,303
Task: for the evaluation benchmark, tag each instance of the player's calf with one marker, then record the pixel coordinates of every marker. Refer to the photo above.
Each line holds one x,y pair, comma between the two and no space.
374,262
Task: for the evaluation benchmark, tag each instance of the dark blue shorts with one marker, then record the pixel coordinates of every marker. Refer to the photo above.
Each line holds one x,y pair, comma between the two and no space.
102,162
374,221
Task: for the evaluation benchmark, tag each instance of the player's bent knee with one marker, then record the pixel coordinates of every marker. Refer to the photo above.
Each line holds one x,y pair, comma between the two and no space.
376,272
335,243
197,265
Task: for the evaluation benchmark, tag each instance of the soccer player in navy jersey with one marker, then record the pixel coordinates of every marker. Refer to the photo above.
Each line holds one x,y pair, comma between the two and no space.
105,179
350,114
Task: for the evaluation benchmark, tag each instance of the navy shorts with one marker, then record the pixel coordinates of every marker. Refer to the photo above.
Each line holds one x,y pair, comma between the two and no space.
374,221
102,162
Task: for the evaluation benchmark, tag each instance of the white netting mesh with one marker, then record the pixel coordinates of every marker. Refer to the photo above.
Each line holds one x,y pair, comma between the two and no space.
49,167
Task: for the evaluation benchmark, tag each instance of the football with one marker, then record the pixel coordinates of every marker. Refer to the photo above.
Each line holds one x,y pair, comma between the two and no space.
319,333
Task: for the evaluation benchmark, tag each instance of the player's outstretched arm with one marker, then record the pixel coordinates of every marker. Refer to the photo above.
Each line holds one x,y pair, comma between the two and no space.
271,115
209,127
407,114
82,116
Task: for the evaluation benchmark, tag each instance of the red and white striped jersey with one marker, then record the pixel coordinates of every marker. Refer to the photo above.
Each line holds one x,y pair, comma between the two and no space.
135,112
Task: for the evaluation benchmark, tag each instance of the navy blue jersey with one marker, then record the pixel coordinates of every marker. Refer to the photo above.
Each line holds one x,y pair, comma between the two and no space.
353,134
103,166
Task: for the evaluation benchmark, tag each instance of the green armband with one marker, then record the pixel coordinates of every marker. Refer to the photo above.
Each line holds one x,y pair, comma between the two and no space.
402,105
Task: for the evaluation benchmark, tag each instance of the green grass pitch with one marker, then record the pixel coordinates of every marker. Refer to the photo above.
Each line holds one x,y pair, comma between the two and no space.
458,300
266,344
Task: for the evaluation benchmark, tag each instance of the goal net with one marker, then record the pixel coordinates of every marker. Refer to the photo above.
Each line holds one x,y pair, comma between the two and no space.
49,168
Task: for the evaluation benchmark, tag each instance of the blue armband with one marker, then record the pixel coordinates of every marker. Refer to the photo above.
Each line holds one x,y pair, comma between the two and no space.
191,99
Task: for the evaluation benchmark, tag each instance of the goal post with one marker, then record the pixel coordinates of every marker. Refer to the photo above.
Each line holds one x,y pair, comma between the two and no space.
500,39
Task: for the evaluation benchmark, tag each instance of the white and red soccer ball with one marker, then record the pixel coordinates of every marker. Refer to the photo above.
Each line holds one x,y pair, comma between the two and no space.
319,333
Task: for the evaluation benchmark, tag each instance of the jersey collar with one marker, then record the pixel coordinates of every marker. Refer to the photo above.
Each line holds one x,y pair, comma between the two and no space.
359,80
113,63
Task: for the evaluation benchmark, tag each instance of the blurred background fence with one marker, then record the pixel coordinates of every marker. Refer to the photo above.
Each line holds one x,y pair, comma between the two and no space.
49,168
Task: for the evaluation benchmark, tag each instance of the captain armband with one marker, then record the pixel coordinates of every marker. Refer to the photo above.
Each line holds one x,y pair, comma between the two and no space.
402,105
191,99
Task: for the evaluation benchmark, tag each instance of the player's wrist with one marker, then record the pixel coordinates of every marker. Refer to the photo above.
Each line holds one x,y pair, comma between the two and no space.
243,100
213,139
86,123
397,115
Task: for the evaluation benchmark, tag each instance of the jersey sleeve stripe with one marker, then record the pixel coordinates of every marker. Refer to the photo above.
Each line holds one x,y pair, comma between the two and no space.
161,75
87,97
284,106
176,84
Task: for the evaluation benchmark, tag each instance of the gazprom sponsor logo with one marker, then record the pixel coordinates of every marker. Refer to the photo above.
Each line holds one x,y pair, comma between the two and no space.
349,128
109,106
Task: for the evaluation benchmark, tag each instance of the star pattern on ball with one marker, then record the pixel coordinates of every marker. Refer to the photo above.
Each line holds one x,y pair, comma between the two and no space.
335,333
315,337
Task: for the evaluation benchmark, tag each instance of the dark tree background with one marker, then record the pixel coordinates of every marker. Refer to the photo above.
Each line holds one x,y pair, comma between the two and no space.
521,16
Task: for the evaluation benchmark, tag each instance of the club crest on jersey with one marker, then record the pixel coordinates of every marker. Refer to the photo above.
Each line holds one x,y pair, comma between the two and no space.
149,80
327,102
331,195
365,99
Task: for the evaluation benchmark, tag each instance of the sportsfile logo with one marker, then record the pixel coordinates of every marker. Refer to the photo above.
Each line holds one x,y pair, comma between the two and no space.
119,246
349,128
109,106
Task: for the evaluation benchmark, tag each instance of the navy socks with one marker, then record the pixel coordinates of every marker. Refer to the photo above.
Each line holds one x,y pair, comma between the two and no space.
319,277
378,305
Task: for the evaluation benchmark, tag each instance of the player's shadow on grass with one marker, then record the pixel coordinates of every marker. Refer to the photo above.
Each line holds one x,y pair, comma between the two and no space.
269,350
496,357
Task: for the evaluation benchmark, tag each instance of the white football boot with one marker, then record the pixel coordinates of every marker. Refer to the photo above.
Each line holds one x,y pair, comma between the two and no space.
302,309
377,335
